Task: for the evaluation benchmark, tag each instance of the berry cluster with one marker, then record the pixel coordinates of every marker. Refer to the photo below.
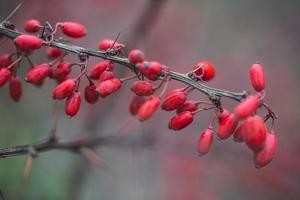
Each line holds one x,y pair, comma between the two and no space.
244,124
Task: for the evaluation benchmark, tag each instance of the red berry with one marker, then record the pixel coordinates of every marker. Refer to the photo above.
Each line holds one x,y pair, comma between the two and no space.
90,94
136,56
15,88
174,100
4,76
135,104
106,75
247,107
5,60
101,67
257,77
60,71
107,44
142,88
181,120
238,134
227,124
64,89
255,133
265,156
53,53
32,26
188,106
108,87
73,104
205,141
148,108
37,74
150,69
206,70
28,42
73,29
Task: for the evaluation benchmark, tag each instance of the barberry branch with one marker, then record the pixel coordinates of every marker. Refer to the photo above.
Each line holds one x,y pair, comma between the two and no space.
81,52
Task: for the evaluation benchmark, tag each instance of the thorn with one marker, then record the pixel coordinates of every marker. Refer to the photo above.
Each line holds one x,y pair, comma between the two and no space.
27,168
93,158
13,12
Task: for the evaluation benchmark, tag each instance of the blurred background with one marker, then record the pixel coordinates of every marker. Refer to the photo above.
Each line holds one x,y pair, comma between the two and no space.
157,163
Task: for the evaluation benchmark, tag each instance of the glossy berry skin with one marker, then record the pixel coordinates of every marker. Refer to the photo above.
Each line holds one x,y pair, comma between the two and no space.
5,74
150,69
255,133
108,87
206,70
136,56
142,88
107,44
257,77
189,105
238,133
227,124
37,74
60,71
5,60
32,25
90,94
53,53
99,68
205,141
247,107
174,100
73,29
73,104
181,120
15,88
265,156
106,75
135,104
28,42
64,89
148,108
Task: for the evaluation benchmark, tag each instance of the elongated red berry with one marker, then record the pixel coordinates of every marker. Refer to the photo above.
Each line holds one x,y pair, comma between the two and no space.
53,53
150,69
257,77
189,105
227,124
90,94
174,99
32,25
64,89
135,104
106,44
5,60
247,107
181,120
37,74
136,56
15,88
28,42
142,88
148,108
101,67
73,29
73,104
265,156
60,71
206,70
205,141
238,133
5,74
106,75
108,87
255,133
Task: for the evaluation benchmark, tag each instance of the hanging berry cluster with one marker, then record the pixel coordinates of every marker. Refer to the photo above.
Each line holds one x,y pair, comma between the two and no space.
243,124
